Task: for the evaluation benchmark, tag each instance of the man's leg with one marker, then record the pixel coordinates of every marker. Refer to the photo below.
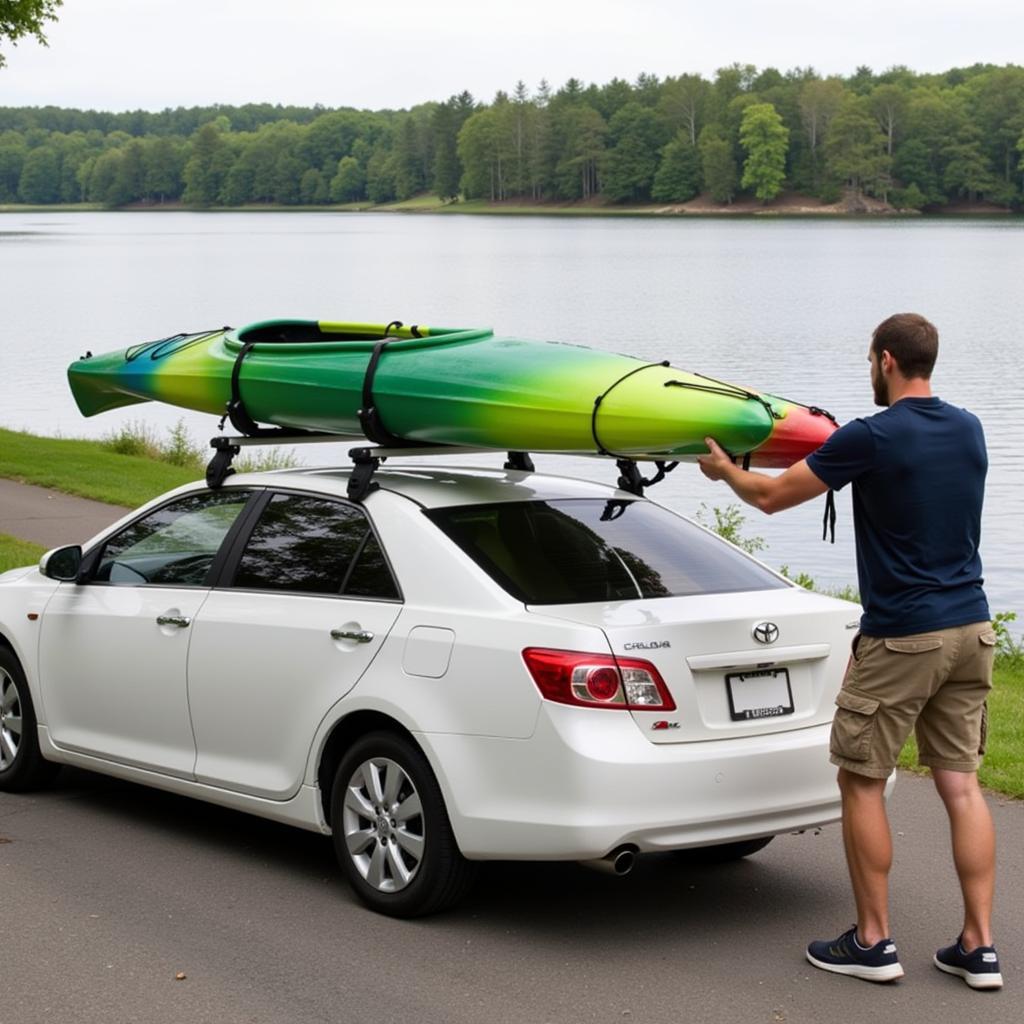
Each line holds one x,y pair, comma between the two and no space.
868,844
974,850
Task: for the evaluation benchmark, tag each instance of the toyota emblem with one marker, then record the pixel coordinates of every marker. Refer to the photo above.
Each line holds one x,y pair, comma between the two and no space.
766,632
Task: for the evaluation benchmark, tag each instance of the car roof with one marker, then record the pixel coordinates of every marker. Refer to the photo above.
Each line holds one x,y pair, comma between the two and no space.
437,487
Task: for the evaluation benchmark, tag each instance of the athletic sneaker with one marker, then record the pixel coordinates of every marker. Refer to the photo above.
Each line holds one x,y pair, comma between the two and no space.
846,955
979,968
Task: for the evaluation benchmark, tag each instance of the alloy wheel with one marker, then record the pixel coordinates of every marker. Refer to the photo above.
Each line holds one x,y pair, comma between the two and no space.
10,720
383,824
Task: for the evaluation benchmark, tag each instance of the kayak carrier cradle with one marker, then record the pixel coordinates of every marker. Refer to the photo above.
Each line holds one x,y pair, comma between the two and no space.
366,459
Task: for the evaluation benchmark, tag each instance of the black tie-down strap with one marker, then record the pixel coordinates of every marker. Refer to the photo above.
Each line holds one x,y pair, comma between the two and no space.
630,478
370,421
236,410
828,523
601,397
239,416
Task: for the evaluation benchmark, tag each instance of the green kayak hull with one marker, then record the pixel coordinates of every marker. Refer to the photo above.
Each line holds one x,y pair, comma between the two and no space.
447,386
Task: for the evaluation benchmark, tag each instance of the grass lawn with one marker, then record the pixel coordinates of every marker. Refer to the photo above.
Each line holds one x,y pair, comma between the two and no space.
1003,768
14,552
87,468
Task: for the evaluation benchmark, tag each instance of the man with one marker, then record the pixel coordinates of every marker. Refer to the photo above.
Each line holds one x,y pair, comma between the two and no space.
923,657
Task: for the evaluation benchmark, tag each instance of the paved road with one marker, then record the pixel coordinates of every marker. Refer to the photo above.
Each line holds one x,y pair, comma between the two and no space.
50,518
107,890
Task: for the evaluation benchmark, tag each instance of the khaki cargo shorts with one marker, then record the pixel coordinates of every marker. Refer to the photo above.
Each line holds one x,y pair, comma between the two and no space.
933,683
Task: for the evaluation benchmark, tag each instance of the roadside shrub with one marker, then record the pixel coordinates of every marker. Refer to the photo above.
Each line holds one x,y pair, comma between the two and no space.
133,438
728,522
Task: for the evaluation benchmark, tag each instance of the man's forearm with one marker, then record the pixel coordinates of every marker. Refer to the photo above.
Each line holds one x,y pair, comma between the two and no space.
753,488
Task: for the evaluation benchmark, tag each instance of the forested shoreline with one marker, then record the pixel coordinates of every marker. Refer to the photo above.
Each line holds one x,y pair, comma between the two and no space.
914,141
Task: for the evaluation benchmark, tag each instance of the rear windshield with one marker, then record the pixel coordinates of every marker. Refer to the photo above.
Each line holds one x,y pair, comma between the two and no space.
589,549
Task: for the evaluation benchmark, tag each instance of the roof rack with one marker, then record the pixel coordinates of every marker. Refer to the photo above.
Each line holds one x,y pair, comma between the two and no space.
366,459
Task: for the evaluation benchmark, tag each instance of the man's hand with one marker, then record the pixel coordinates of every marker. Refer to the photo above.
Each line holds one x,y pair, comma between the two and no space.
715,465
768,493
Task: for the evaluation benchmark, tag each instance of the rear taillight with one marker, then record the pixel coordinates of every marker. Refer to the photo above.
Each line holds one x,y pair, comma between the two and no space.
597,680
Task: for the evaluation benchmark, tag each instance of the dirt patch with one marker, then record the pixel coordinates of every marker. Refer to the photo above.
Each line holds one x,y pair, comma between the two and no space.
786,204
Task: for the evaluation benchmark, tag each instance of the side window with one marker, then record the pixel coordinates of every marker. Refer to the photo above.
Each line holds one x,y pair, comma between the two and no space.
310,545
173,546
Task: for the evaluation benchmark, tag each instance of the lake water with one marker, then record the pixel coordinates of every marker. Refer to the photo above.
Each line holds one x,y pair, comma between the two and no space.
786,306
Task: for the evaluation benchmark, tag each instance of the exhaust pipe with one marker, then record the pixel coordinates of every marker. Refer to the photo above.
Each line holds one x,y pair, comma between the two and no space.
619,862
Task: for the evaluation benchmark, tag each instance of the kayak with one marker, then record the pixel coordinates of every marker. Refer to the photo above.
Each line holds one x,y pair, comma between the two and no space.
449,386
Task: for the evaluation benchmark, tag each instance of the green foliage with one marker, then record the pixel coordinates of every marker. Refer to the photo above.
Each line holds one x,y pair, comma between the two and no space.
728,522
718,165
909,198
87,468
349,183
678,176
855,147
764,137
140,439
637,136
802,579
939,137
19,18
15,553
1007,649
133,438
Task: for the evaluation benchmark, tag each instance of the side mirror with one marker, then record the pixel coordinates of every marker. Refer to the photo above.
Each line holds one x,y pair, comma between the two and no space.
62,563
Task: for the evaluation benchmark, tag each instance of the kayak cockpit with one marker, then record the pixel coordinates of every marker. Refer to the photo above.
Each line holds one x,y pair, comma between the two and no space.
304,332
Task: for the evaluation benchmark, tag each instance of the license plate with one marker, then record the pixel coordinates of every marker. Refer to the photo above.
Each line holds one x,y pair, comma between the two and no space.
764,693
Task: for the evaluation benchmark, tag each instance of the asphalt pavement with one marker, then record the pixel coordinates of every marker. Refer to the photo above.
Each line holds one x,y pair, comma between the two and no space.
108,891
49,517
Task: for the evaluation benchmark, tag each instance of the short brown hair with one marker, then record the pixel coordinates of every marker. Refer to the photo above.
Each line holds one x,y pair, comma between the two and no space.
911,340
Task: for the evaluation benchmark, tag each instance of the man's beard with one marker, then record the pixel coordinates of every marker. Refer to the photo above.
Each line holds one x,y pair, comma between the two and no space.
880,386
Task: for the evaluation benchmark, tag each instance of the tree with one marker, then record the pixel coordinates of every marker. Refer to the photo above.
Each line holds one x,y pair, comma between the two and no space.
12,159
968,172
819,102
313,188
855,148
717,164
208,166
40,176
479,150
165,163
446,123
889,105
678,177
20,18
630,165
682,103
349,183
764,137
581,130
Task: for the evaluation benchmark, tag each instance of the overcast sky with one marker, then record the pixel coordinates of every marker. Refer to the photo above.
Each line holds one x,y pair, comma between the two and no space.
126,54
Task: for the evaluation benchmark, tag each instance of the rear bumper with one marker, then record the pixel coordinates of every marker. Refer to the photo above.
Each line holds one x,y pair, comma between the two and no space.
589,781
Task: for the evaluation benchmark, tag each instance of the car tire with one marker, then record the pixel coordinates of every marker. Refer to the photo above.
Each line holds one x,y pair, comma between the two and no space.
723,853
22,766
391,831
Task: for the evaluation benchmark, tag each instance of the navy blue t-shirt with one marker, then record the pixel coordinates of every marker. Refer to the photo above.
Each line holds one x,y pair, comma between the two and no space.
918,473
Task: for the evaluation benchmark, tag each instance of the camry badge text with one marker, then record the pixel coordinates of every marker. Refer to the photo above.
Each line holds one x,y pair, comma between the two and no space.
765,632
645,645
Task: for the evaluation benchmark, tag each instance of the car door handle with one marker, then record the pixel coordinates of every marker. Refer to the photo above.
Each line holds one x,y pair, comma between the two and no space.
173,620
361,636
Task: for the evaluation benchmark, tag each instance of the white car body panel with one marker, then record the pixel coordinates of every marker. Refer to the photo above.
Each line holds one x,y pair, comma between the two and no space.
113,680
262,669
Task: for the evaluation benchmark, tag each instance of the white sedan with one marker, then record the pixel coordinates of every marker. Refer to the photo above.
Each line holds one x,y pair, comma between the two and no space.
467,665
